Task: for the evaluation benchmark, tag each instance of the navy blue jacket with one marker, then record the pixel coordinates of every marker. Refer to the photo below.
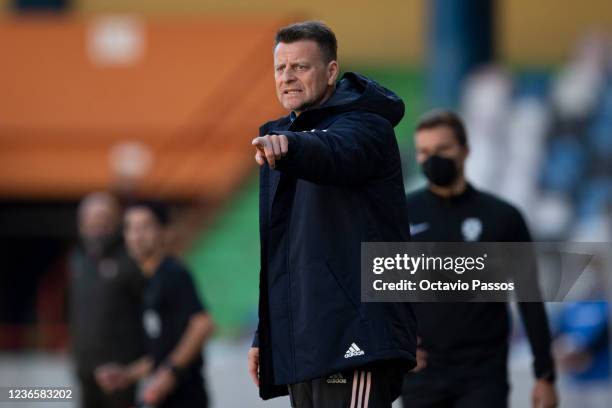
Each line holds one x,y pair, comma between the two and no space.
339,185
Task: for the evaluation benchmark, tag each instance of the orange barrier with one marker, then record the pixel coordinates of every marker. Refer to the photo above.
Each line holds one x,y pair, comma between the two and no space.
190,92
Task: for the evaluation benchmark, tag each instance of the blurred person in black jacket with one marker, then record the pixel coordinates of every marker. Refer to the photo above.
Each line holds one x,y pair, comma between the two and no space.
467,343
176,322
105,300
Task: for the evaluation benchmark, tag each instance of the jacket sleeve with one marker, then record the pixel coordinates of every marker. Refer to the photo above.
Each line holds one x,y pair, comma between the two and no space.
533,314
538,332
351,151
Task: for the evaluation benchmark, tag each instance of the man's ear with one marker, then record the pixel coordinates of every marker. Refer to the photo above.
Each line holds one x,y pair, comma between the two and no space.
332,72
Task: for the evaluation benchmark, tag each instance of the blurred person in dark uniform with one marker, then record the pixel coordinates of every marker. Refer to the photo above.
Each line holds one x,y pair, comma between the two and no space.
105,300
467,343
176,323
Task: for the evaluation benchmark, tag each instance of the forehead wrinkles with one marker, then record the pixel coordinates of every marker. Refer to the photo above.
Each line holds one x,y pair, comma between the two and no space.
290,59
300,51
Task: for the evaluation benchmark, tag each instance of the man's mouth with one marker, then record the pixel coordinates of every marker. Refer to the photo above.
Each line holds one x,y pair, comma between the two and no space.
292,91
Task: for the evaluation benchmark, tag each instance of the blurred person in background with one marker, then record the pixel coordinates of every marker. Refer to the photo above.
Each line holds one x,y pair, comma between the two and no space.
105,300
330,177
176,323
467,343
582,349
582,343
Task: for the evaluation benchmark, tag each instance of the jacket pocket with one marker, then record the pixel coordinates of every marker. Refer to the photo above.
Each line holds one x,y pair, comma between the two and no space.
345,290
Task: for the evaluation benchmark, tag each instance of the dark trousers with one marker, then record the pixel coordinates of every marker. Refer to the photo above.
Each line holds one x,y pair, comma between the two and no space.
92,396
195,397
375,386
190,392
481,383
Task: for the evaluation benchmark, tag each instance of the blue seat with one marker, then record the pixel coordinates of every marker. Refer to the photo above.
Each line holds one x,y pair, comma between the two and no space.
594,197
599,138
565,165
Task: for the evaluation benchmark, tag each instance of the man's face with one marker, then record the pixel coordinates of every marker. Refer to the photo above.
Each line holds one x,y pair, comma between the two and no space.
440,141
98,221
143,233
303,78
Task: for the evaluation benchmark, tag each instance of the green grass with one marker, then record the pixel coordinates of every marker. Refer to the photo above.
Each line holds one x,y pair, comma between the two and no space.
225,262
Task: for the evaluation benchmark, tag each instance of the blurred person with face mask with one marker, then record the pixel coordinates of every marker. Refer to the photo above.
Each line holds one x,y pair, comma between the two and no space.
467,343
105,298
176,323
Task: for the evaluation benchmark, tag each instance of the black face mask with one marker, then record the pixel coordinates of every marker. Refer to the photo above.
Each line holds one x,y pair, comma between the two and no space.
440,170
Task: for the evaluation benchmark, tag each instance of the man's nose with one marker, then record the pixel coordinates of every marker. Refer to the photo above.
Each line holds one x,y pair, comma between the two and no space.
288,76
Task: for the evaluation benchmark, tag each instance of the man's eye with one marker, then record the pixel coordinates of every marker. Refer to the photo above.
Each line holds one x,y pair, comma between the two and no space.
301,67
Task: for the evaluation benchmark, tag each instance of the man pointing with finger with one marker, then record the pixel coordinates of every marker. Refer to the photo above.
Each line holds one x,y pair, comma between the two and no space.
330,179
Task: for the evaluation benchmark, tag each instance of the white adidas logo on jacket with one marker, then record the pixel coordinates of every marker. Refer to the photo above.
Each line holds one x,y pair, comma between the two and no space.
353,351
